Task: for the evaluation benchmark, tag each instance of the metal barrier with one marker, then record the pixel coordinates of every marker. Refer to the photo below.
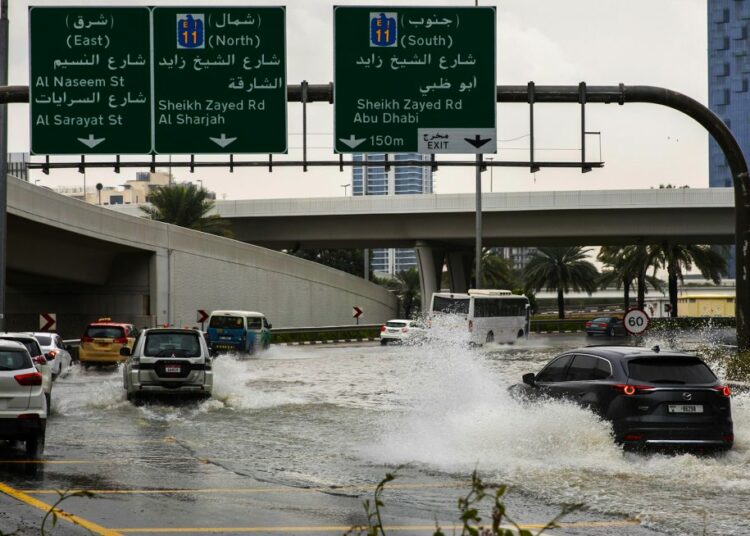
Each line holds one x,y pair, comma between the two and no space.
355,327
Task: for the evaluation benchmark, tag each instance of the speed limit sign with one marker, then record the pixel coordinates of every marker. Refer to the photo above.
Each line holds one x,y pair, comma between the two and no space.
636,321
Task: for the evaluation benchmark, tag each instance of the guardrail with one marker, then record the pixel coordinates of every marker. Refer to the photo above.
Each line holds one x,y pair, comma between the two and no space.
355,327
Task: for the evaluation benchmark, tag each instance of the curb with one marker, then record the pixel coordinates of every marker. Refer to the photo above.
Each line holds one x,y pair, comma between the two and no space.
309,343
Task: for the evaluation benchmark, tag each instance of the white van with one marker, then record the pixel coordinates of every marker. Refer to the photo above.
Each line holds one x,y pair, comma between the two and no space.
491,315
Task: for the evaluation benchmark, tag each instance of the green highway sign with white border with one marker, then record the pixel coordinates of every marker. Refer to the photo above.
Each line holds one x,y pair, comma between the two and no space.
414,79
90,80
169,80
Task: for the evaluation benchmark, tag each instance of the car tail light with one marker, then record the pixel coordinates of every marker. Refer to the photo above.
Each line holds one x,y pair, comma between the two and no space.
28,416
602,325
382,328
404,330
633,437
729,438
32,378
86,338
631,390
39,360
724,390
471,325
51,354
588,324
120,340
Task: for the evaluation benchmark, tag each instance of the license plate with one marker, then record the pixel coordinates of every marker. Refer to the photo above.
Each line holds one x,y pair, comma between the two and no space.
686,408
174,369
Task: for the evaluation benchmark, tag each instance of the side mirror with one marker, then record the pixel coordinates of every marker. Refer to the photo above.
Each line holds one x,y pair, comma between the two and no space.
529,379
125,351
270,326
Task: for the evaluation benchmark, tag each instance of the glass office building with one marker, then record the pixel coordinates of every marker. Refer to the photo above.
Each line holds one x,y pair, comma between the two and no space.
728,81
398,180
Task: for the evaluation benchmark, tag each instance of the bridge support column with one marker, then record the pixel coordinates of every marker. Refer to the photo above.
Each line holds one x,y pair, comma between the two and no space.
430,260
459,270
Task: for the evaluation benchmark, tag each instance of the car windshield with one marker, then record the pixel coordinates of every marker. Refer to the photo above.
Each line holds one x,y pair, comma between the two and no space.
676,370
31,345
44,340
602,319
227,322
168,344
14,360
441,304
392,324
104,332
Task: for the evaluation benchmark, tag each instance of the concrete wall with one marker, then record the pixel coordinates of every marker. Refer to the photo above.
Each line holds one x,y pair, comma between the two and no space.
172,272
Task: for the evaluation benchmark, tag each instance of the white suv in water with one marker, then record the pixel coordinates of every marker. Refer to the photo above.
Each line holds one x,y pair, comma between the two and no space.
168,361
23,405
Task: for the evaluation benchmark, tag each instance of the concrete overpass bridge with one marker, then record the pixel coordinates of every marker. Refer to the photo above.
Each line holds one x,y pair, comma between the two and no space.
83,262
441,227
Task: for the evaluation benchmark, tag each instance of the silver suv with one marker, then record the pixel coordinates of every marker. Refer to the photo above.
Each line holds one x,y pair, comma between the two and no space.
168,361
23,405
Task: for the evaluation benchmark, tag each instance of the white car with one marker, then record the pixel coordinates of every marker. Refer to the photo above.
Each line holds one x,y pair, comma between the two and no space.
23,404
37,357
168,361
55,352
399,330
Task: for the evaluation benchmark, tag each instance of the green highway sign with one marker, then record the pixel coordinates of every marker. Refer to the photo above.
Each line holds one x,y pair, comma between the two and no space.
139,80
90,84
219,80
414,79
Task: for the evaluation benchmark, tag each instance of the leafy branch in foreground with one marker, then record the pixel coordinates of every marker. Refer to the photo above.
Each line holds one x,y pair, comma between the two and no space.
468,507
53,510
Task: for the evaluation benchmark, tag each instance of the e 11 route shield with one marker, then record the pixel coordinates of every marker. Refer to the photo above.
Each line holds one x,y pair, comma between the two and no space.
414,80
90,80
219,80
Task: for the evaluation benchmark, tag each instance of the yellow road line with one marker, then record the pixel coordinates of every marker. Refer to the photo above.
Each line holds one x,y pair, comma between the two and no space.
31,501
341,528
245,490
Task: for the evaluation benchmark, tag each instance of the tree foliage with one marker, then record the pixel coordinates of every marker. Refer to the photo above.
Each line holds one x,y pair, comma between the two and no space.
188,206
561,269
351,261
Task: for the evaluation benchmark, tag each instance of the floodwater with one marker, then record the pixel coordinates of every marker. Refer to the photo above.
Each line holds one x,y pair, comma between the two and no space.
342,416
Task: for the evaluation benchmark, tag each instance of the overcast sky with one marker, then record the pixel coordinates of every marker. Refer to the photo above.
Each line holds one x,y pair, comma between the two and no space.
660,43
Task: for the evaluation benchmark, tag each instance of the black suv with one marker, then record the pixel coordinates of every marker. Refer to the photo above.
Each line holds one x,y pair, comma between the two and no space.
652,398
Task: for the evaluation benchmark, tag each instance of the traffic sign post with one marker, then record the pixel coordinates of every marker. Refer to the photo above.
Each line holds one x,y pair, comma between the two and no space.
414,80
357,312
219,80
90,83
201,317
636,321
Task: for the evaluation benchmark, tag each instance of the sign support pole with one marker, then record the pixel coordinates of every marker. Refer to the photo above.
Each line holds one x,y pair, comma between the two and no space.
3,157
478,265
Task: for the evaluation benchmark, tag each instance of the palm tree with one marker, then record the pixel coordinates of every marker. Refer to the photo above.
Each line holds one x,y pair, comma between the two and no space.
677,259
628,264
406,286
188,206
497,272
561,269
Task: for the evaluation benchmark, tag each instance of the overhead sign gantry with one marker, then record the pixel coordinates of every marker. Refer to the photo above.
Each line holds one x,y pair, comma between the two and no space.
414,79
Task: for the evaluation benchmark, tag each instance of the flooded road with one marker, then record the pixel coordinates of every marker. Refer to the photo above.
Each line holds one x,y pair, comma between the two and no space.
298,437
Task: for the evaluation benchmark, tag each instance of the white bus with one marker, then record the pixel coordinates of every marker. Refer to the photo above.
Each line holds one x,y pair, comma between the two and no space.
491,315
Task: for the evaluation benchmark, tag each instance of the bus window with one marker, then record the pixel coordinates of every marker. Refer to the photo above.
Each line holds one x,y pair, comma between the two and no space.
441,304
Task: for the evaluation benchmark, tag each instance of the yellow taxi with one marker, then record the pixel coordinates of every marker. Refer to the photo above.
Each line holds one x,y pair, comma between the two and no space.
102,340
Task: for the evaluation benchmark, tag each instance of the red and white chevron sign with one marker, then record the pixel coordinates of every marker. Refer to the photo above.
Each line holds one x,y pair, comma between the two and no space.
47,322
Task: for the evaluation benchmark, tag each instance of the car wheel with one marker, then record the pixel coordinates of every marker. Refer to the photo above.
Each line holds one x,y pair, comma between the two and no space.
589,334
383,342
48,398
490,338
35,446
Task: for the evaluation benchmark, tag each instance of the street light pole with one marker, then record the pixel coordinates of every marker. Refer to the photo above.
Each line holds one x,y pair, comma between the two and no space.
478,230
491,170
3,157
345,186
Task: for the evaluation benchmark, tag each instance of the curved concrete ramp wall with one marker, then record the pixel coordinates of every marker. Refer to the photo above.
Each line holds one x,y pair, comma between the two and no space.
174,271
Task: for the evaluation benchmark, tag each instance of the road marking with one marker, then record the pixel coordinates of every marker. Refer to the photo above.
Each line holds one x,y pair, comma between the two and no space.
44,507
342,528
246,490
